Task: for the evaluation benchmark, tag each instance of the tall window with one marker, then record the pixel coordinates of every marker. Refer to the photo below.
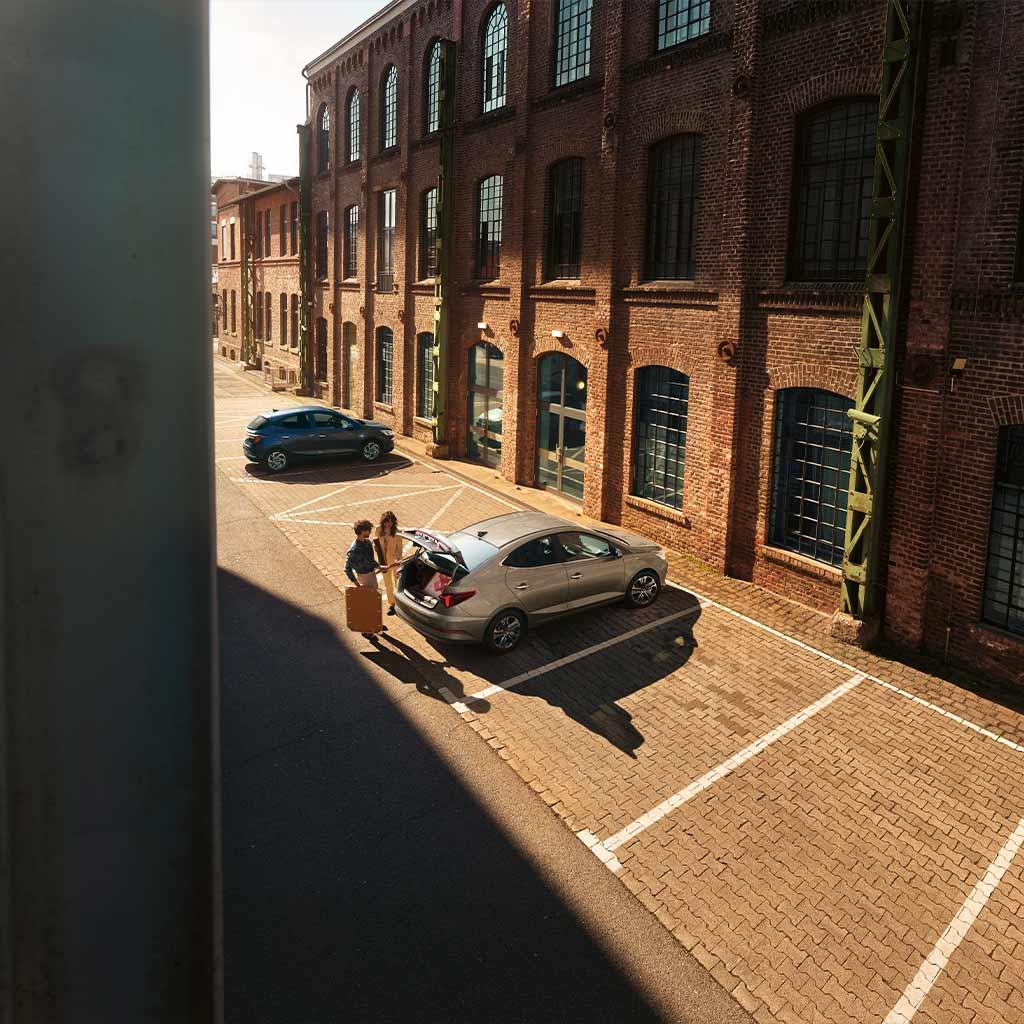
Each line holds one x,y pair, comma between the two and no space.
1004,574
389,109
352,242
488,242
679,20
259,235
386,241
234,312
223,241
266,234
385,358
268,307
320,252
673,185
232,240
432,91
428,234
495,50
224,308
320,349
425,376
323,139
295,321
572,41
282,231
284,320
294,232
811,471
353,126
662,399
832,192
258,327
565,219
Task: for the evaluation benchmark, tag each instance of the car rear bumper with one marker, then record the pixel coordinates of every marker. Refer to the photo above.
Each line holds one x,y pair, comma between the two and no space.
252,452
443,628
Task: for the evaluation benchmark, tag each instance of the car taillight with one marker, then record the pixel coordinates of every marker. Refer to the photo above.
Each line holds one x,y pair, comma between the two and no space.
255,438
449,599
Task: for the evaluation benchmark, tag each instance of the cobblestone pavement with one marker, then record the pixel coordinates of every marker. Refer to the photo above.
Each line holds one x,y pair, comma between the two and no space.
833,834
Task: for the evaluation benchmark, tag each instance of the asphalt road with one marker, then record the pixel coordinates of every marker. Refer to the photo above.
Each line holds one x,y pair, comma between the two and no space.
380,863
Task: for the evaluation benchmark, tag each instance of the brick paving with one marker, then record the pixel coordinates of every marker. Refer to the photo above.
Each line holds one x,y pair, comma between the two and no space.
815,878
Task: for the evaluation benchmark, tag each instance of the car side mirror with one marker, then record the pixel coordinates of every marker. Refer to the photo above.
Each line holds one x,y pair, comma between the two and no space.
616,553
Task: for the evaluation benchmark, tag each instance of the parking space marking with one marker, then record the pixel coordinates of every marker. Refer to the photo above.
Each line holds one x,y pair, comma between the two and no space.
444,508
462,706
951,715
465,483
366,501
655,814
914,994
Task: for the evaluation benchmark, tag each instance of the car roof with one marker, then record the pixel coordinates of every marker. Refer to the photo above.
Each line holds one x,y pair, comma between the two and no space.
273,414
514,526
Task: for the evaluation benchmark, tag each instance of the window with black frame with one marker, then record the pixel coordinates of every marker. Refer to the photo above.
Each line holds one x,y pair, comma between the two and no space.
320,250
662,399
352,242
320,350
432,90
385,360
267,217
1003,604
353,126
572,40
224,308
488,237
283,320
282,231
386,241
565,219
428,234
258,317
268,309
833,181
495,54
672,197
323,145
295,321
811,472
680,20
389,109
294,232
234,312
425,377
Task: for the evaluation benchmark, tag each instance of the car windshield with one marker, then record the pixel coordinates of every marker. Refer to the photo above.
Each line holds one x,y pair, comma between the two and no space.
257,423
474,550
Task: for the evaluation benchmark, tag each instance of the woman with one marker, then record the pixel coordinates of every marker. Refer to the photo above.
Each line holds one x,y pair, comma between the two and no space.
389,553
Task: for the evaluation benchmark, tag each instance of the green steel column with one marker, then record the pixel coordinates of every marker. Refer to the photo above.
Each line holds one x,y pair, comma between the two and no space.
872,413
247,240
445,226
305,260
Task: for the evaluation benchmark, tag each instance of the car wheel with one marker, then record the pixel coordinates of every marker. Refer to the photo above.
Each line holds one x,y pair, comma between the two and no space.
505,631
643,589
276,460
371,451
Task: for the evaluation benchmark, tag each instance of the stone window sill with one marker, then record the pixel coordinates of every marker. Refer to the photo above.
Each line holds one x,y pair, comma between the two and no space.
804,564
384,407
420,421
674,515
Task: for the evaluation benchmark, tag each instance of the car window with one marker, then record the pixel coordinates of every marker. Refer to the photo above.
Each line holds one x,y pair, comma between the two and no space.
584,545
324,419
296,420
258,422
534,553
344,424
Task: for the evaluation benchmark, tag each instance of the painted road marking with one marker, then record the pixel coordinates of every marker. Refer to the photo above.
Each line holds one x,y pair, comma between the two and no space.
952,716
462,705
366,501
464,483
655,814
914,994
444,508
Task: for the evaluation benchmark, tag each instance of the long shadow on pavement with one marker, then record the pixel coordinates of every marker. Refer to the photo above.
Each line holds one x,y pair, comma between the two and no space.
362,880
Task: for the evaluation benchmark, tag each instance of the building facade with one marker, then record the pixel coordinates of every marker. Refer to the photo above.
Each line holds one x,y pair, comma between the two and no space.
657,278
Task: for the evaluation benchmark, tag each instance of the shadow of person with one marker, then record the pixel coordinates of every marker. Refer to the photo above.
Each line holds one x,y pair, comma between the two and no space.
429,677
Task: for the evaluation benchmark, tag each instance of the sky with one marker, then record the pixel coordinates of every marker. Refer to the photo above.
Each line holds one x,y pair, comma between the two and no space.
257,93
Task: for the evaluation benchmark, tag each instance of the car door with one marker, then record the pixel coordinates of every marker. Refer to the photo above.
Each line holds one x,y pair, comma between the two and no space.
536,577
294,433
595,569
332,434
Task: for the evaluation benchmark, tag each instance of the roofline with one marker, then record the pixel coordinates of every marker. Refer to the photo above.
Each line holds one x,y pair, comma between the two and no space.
358,34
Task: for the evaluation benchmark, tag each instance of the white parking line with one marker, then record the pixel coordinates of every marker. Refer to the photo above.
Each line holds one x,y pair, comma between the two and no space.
510,684
366,501
914,994
444,508
465,483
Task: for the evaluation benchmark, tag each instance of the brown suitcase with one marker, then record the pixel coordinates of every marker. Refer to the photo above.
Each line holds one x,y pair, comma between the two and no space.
363,609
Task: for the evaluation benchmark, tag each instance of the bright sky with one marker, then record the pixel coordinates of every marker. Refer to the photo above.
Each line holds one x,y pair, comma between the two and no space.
257,93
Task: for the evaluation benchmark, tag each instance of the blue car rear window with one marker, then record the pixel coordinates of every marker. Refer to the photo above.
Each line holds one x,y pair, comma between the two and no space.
257,423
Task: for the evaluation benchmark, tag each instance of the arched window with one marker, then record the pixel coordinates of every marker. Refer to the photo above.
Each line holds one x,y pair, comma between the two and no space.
1004,572
672,193
425,375
486,403
432,90
661,399
389,109
832,184
385,362
565,219
679,20
353,126
495,53
811,472
323,144
488,240
572,41
428,234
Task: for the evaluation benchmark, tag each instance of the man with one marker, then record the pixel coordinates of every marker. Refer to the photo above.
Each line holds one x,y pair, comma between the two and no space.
361,565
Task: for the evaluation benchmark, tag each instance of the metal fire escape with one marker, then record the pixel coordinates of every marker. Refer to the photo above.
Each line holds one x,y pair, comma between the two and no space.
872,413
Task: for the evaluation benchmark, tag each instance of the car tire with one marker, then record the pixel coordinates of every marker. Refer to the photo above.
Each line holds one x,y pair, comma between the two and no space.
371,451
643,589
276,460
504,631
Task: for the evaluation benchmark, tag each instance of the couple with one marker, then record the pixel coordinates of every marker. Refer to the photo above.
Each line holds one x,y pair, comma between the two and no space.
384,555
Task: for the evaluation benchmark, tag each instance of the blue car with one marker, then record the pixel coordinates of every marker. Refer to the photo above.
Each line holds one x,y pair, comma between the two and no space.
277,438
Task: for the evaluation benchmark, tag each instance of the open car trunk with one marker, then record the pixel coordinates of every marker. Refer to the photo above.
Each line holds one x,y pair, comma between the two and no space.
435,565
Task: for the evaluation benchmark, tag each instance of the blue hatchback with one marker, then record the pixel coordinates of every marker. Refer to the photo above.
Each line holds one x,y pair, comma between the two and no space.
279,437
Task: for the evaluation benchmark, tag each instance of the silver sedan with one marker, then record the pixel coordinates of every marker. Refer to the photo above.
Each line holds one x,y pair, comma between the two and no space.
488,582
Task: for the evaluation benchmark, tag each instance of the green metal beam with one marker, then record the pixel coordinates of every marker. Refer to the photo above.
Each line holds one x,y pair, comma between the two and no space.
305,260
872,413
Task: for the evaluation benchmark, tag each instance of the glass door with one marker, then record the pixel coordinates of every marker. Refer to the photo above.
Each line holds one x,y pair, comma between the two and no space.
486,380
349,349
561,424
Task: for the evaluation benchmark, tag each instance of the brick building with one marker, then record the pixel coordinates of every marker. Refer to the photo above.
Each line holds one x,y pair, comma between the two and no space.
658,270
259,223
